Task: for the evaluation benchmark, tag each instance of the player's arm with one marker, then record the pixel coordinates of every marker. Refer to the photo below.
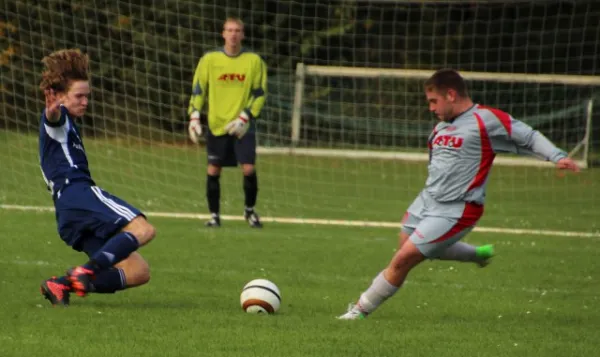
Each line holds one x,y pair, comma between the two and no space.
532,141
258,94
526,137
52,111
517,137
199,88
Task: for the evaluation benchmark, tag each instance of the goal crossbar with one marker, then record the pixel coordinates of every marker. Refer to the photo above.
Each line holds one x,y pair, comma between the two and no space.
360,72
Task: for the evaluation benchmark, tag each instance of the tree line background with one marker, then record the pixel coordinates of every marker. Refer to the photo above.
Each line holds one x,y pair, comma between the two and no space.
144,54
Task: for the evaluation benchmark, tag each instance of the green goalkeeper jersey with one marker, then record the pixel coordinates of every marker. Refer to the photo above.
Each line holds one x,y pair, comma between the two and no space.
232,84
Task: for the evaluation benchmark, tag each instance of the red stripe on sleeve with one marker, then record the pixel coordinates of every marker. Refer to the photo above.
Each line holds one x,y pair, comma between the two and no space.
502,116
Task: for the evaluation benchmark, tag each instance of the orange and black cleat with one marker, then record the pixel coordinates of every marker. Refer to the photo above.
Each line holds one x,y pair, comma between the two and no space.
55,292
80,278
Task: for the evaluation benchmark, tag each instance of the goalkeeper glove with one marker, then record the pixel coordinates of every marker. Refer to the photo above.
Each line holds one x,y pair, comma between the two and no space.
239,126
195,129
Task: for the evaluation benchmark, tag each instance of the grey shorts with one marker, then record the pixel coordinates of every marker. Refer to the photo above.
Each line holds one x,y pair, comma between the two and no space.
434,226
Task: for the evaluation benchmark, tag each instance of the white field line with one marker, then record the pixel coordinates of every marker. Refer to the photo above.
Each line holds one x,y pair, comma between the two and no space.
332,222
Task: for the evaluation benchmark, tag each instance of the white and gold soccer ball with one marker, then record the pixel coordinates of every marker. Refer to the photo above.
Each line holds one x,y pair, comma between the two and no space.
260,296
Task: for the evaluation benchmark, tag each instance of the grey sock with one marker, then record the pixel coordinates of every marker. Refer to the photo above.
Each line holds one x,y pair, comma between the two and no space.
459,251
379,291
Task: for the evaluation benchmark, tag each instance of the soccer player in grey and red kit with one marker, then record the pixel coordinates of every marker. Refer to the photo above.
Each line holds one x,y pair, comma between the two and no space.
462,148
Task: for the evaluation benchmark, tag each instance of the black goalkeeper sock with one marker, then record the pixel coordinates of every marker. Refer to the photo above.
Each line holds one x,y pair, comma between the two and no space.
213,193
250,190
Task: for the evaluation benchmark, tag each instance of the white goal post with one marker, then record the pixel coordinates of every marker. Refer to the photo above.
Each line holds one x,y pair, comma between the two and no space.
303,71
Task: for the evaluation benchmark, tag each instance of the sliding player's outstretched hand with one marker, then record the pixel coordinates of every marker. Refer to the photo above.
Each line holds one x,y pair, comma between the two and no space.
239,126
567,164
52,105
195,128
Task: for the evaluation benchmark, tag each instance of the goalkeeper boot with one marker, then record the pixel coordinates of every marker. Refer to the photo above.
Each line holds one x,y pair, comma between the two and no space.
81,279
483,255
56,291
214,222
252,218
353,313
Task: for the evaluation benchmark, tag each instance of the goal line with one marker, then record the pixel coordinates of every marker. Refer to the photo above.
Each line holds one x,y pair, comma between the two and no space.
329,222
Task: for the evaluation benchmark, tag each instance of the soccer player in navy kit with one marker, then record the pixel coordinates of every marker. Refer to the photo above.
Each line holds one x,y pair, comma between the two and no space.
89,219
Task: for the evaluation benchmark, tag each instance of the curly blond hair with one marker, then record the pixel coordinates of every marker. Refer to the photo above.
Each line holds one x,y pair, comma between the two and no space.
62,67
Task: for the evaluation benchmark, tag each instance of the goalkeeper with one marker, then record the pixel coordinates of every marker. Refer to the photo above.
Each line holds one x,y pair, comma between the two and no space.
235,81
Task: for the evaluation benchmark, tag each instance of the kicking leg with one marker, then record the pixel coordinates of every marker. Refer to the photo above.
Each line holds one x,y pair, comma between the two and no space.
387,282
431,237
464,252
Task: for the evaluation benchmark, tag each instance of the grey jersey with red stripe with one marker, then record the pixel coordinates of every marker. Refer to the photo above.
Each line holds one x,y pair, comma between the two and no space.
461,152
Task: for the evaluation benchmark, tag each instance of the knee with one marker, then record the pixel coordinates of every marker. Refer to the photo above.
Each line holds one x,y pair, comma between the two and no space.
402,238
248,170
148,233
406,258
213,170
143,231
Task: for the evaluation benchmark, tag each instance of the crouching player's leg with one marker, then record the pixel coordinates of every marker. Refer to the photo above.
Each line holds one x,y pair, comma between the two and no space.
116,265
432,237
109,231
129,272
107,271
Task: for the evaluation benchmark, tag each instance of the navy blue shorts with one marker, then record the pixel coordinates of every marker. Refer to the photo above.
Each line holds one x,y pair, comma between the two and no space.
88,216
227,150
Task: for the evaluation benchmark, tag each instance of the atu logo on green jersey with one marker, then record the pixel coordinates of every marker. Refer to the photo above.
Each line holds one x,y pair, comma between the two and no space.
229,77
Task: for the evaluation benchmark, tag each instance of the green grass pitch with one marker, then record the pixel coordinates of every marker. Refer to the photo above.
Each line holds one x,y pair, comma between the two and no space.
539,297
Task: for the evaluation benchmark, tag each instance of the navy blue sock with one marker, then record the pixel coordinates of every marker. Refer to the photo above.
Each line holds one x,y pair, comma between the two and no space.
116,249
109,281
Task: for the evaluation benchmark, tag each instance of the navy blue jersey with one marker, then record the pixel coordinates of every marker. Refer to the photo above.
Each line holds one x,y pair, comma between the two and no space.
62,154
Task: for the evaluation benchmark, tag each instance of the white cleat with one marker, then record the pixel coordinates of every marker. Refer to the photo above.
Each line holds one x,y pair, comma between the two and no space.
354,313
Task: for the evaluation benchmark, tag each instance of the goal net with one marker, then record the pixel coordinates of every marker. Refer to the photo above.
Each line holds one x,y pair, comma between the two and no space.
341,138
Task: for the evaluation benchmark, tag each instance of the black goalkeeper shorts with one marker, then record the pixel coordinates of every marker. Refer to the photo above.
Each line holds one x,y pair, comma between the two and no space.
227,150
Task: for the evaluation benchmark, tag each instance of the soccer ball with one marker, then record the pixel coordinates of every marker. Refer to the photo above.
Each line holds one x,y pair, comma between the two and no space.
260,296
